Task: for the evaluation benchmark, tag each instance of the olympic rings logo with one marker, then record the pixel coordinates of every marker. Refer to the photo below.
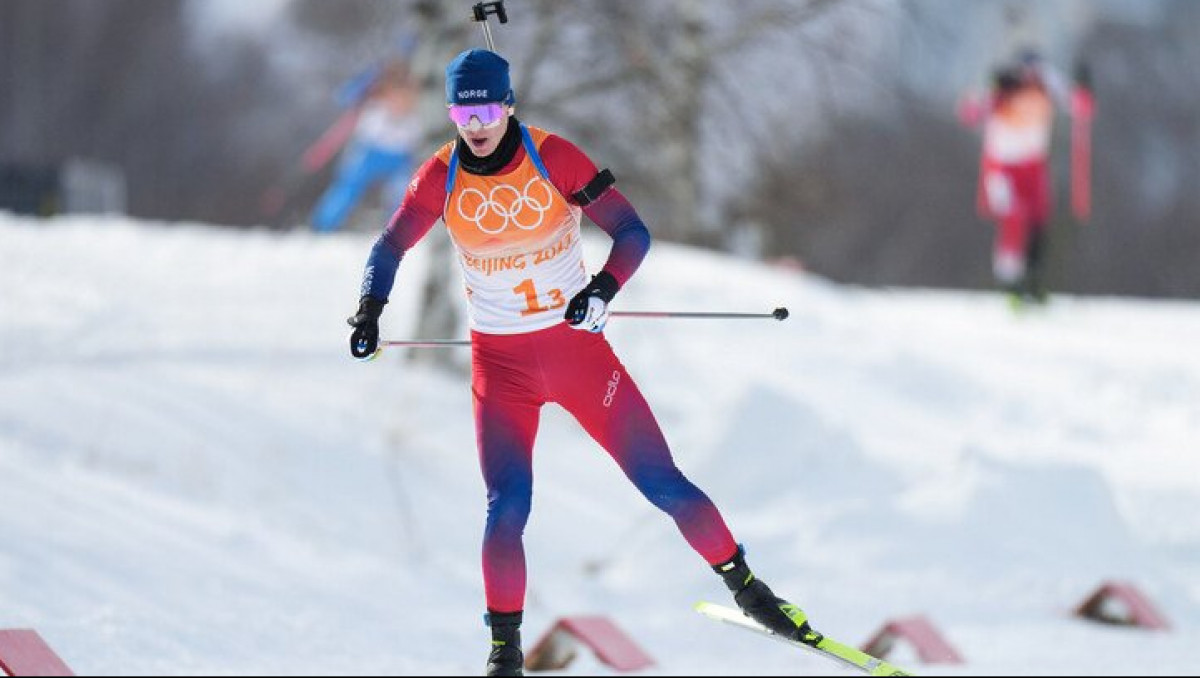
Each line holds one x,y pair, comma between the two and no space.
512,207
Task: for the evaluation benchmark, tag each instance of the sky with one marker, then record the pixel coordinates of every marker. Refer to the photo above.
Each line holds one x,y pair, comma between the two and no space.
196,479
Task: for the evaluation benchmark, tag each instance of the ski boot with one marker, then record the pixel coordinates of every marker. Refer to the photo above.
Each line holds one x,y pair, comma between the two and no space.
757,601
506,658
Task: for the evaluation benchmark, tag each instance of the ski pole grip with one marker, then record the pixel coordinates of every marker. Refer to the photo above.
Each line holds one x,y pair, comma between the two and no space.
781,314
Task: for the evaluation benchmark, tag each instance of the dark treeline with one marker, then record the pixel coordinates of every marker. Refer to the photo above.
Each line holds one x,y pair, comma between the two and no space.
116,81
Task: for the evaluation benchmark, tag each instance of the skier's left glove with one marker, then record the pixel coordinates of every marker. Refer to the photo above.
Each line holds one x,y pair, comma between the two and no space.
588,310
364,342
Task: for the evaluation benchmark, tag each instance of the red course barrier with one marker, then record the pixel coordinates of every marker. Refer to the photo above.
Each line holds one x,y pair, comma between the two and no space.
24,653
931,647
1105,605
558,647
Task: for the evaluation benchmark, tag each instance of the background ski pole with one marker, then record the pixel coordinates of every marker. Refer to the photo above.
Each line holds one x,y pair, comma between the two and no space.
777,314
1083,110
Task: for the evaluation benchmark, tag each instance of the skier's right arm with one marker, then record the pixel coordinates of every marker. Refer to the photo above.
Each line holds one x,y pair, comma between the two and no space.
420,210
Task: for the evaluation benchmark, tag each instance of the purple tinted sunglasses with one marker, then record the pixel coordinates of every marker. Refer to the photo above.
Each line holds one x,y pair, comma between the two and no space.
489,115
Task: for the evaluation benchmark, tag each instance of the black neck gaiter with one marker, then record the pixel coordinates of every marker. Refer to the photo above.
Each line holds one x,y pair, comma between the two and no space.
498,159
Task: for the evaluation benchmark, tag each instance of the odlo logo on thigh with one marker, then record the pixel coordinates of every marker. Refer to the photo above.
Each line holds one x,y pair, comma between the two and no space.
612,389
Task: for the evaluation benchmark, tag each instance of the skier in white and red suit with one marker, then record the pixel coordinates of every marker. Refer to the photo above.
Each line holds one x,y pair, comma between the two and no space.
1015,187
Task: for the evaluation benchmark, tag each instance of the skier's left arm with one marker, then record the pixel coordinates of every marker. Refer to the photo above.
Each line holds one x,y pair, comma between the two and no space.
576,176
1056,85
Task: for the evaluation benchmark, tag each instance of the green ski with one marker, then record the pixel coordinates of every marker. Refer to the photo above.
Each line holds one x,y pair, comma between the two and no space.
826,647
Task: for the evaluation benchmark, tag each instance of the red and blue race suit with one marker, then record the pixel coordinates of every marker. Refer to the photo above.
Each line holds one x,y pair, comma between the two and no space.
517,235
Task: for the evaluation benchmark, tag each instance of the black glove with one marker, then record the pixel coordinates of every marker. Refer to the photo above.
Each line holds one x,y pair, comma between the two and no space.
588,310
364,342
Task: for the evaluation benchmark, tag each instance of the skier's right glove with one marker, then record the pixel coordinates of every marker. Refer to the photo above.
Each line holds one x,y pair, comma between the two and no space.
364,341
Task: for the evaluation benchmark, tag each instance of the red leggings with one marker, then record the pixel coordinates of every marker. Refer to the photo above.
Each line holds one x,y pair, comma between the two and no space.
1022,204
512,377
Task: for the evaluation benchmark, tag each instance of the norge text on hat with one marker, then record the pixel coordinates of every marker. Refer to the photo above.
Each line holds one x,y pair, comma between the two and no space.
478,76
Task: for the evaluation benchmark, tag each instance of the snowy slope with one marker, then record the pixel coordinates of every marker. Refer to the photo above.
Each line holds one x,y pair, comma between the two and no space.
195,478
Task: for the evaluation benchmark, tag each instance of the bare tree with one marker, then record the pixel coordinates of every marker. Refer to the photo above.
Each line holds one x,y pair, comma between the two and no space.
444,33
653,69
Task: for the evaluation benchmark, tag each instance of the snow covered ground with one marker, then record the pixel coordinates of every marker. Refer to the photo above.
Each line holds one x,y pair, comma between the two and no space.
196,479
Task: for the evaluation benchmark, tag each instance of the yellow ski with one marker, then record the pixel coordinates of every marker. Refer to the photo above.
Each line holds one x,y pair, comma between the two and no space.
826,646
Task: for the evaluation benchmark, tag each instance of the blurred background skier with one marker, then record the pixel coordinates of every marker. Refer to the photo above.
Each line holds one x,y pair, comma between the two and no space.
386,130
1015,179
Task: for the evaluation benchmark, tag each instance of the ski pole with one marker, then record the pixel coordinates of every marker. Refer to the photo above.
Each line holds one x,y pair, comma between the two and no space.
424,344
481,11
777,314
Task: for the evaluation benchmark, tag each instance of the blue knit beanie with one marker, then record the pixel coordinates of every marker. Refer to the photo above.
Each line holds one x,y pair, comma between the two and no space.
478,76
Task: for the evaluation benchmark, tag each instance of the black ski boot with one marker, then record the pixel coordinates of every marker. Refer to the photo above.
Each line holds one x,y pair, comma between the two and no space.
506,658
758,602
